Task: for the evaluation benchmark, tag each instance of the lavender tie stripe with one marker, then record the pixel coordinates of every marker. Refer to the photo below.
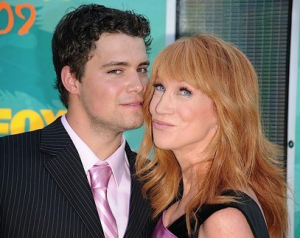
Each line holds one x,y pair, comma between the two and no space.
100,175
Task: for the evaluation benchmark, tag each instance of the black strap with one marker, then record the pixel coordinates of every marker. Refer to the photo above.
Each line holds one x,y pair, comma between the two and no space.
244,203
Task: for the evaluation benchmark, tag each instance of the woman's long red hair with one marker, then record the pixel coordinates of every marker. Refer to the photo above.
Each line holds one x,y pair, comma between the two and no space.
242,156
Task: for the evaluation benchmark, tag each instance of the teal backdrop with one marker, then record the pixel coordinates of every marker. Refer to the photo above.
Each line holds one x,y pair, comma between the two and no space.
296,107
28,100
297,155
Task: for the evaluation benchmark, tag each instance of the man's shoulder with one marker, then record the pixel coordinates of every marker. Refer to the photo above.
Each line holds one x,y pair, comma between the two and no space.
15,149
28,134
32,135
15,138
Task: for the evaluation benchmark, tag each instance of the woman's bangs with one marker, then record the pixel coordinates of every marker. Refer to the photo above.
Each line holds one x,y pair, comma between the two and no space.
173,63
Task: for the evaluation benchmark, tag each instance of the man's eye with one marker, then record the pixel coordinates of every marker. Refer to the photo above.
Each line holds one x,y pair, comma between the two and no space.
159,87
115,71
143,70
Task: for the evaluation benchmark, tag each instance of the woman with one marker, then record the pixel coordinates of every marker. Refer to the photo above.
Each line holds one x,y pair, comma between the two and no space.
214,173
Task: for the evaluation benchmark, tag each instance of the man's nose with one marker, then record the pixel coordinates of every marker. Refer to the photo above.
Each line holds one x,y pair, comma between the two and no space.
137,83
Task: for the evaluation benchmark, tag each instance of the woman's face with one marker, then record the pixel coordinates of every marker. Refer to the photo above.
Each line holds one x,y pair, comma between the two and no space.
183,118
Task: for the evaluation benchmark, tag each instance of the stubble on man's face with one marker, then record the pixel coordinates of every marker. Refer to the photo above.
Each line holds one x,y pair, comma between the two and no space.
113,85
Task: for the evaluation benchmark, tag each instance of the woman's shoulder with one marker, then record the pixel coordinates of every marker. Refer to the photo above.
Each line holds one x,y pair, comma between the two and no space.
227,222
243,214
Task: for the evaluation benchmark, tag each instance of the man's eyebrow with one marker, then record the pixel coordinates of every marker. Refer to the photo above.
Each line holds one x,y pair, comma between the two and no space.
145,63
115,63
122,63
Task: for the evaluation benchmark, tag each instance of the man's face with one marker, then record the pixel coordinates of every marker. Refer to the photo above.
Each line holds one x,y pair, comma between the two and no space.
113,84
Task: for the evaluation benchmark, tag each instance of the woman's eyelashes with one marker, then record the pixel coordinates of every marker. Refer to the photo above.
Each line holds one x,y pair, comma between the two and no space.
184,91
159,87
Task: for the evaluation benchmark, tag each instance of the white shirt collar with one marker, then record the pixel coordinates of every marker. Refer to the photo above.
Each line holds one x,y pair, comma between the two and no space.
117,161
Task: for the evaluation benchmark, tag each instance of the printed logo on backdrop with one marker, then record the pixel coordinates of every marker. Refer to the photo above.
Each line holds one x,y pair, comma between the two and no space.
28,100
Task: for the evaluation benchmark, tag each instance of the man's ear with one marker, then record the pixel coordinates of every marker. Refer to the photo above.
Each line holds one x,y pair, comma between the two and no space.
69,81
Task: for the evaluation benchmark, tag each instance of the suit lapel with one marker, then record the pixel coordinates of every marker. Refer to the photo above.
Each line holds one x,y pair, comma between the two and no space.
67,170
139,208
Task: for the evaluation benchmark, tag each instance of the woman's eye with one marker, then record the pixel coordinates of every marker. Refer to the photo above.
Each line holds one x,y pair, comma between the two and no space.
115,71
159,87
185,92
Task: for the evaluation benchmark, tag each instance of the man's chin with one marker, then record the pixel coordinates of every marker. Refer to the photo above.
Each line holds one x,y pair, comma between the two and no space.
133,125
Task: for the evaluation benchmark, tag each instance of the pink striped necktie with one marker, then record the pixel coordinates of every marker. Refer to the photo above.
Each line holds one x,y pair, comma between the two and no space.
100,175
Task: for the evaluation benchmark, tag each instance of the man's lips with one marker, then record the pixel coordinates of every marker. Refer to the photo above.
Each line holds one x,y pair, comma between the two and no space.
161,124
133,104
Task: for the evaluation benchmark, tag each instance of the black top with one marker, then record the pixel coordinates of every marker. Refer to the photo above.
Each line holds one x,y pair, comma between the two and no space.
246,205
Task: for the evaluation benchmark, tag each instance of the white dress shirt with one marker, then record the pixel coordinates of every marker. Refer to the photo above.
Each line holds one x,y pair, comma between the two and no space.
119,185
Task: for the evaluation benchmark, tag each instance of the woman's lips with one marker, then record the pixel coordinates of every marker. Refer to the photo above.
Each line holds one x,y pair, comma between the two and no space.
161,124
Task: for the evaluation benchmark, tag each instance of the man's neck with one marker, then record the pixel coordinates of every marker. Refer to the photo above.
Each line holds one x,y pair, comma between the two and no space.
102,142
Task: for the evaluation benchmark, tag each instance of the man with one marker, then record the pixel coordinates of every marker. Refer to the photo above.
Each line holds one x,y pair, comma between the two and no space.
100,59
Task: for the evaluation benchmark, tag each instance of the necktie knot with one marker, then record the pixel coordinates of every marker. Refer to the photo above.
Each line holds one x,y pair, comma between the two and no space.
100,175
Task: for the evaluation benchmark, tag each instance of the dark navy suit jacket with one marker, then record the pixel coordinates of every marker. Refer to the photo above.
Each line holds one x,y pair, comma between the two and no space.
44,191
